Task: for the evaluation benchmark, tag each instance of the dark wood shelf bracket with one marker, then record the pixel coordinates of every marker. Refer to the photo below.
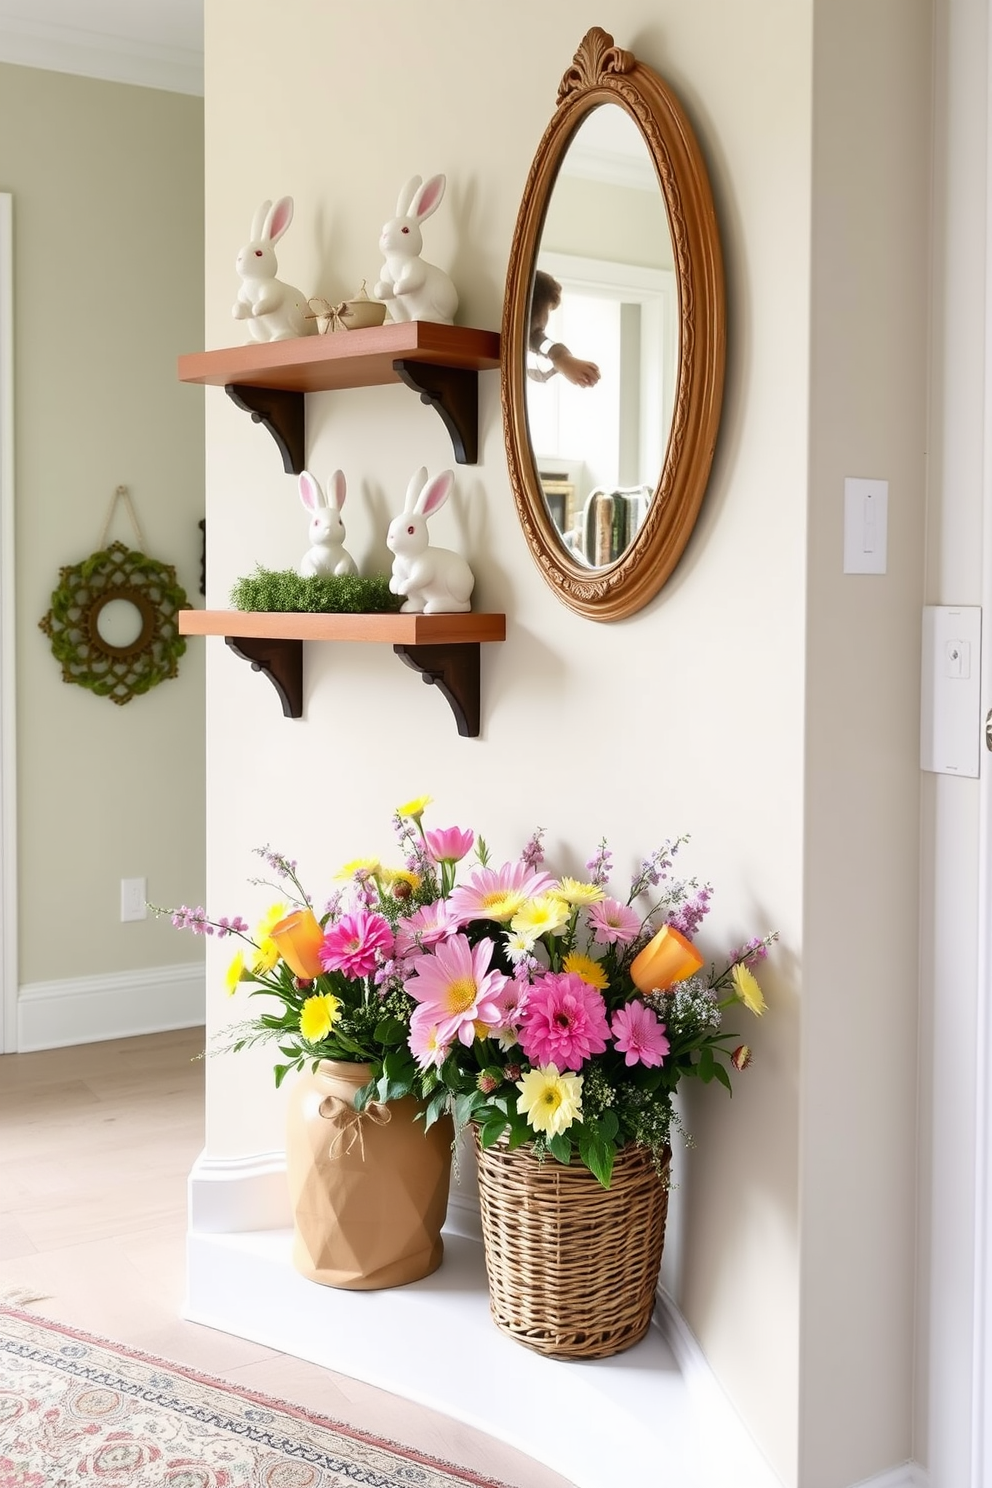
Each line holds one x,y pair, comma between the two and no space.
281,661
454,670
280,411
454,393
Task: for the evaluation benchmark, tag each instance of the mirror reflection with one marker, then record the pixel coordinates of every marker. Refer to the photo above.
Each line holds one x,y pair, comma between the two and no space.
602,346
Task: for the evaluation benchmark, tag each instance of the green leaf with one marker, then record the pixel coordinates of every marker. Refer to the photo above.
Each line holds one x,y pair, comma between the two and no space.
721,1074
491,1131
281,1071
389,1031
560,1147
600,1162
390,1090
436,1107
518,1136
706,1068
465,1106
398,1065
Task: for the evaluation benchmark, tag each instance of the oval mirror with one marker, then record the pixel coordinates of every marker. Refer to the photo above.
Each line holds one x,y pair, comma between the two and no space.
613,341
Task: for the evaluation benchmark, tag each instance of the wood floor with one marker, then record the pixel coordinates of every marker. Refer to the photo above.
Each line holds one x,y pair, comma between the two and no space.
96,1143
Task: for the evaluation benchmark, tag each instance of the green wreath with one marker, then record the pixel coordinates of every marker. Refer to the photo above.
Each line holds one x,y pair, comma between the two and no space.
72,623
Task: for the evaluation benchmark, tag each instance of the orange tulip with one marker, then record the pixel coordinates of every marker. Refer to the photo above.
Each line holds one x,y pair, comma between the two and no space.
668,958
298,938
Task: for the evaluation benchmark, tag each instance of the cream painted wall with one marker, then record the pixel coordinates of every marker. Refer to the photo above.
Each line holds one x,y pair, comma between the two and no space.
689,716
868,400
108,232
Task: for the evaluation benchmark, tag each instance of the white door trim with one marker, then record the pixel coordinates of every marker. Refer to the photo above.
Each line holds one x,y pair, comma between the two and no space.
8,759
981,1401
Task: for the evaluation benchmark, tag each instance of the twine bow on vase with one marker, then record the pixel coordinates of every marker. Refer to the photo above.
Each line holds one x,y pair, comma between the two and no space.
347,1124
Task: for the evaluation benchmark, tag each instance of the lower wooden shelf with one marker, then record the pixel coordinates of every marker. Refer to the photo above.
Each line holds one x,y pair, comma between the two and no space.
444,649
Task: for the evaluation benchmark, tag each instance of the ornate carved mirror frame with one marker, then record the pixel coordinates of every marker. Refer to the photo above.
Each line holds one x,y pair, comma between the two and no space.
603,73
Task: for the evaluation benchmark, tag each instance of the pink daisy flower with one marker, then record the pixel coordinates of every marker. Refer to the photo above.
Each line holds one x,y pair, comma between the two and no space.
424,1040
564,1021
639,1035
511,1001
497,894
356,943
425,927
613,923
455,983
449,844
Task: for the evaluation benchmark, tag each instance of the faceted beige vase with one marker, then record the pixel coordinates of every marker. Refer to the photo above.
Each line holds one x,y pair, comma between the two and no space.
369,1189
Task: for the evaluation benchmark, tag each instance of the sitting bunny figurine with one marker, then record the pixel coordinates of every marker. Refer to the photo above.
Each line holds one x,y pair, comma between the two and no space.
326,555
274,311
434,580
413,289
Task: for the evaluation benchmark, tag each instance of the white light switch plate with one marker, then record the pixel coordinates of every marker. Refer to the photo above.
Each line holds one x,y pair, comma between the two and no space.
951,704
866,524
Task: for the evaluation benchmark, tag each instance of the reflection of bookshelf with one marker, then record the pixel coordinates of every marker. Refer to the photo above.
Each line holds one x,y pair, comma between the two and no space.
611,521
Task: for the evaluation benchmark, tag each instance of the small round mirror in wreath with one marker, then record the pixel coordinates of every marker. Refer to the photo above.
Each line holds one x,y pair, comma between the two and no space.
113,623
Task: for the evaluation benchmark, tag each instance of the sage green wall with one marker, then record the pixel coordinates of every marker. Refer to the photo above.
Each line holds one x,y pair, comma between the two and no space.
107,186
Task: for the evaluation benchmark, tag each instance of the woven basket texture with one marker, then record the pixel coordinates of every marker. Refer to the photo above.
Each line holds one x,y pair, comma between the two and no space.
572,1266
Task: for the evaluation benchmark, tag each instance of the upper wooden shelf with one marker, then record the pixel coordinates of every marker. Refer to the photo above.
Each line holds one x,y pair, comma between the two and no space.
269,379
444,649
342,359
398,630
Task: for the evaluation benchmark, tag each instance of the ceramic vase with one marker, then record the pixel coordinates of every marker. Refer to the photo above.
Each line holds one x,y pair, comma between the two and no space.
369,1189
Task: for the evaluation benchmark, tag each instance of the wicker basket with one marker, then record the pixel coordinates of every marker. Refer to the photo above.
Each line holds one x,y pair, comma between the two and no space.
572,1266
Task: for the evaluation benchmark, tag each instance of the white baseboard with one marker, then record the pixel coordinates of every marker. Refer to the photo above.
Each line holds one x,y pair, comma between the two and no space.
711,1406
229,1195
87,1010
906,1475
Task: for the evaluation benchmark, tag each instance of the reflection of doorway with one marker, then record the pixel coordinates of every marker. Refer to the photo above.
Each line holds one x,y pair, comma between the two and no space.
8,853
624,318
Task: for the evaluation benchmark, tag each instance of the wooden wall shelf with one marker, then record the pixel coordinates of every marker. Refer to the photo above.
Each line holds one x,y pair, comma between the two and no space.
269,380
444,649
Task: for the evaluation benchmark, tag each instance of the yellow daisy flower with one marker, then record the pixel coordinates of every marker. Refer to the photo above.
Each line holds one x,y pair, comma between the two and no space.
268,952
747,989
541,916
550,1101
318,1016
235,972
392,876
415,809
575,893
370,866
589,970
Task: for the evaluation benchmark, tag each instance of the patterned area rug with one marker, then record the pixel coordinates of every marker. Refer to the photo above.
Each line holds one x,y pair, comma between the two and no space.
75,1409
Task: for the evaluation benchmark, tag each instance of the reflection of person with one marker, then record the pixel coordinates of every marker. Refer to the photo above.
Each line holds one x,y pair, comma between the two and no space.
545,297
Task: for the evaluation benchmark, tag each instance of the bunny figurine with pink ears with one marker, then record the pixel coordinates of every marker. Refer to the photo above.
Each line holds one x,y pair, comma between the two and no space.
326,556
434,581
411,288
274,311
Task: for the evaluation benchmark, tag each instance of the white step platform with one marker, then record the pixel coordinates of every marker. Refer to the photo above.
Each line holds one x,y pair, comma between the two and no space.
642,1417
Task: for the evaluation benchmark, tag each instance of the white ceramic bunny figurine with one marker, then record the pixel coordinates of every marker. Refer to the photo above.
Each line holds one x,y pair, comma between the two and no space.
326,555
413,289
434,581
274,311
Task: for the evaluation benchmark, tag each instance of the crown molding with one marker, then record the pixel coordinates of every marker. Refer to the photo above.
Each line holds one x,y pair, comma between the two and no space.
117,59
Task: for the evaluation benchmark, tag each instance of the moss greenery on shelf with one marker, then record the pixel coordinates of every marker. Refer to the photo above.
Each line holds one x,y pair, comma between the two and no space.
284,590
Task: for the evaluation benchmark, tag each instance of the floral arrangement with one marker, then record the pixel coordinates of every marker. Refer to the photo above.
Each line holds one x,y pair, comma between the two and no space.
541,1009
